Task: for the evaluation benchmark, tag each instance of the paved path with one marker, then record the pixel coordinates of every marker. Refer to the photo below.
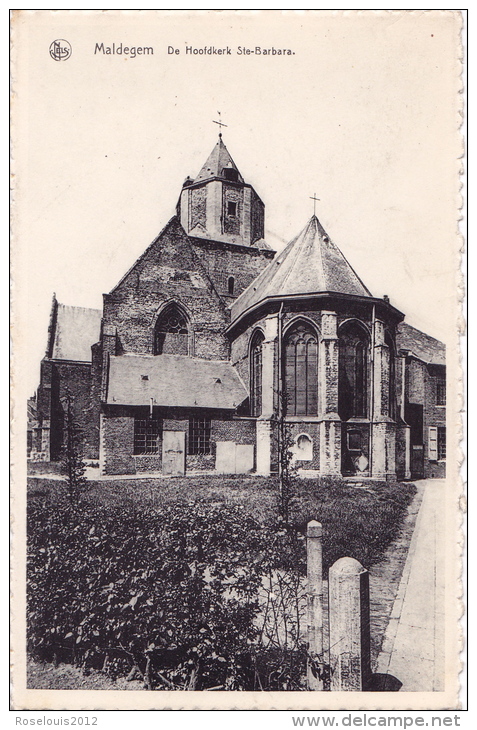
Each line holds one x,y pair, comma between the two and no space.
413,646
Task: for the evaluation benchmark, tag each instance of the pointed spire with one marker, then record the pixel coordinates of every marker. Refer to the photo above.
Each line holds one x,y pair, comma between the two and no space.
310,264
219,161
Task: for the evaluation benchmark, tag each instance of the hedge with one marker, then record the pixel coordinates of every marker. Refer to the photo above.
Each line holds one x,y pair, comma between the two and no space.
170,594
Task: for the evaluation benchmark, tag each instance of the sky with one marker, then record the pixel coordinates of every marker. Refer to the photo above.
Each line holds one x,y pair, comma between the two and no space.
363,112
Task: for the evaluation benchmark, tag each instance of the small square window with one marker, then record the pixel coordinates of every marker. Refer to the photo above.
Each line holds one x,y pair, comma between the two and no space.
199,436
231,208
147,434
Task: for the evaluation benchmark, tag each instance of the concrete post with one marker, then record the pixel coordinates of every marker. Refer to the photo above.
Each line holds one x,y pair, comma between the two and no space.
350,652
314,566
407,472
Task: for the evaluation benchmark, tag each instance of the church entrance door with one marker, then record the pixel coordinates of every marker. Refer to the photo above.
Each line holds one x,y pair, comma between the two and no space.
173,453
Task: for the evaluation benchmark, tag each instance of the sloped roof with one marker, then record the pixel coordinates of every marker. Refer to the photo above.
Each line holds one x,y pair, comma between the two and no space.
422,346
173,380
75,330
218,159
310,264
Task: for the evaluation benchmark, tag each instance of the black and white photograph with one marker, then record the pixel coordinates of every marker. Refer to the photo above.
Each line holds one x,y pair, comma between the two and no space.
236,310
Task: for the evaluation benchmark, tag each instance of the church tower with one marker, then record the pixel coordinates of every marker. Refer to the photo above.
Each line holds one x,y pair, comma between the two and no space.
219,205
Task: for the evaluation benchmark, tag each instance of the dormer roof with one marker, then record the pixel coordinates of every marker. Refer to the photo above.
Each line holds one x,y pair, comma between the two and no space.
310,264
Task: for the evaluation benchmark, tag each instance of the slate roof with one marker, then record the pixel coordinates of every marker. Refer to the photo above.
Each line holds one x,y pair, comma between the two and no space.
173,380
309,264
75,330
422,346
217,160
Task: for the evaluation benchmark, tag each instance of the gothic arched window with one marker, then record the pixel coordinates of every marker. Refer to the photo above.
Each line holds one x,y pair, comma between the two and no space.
301,371
256,373
171,333
353,371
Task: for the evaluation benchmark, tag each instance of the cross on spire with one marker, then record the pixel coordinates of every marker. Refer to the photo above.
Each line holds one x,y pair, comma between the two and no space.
220,123
314,199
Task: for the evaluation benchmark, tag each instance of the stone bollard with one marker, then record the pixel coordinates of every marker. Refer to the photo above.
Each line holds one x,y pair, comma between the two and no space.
314,569
350,651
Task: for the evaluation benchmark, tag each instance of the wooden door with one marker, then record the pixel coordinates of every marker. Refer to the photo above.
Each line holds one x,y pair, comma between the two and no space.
173,453
417,461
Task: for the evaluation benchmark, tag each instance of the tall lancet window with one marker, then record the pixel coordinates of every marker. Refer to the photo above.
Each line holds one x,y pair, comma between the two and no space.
171,333
301,371
353,371
256,373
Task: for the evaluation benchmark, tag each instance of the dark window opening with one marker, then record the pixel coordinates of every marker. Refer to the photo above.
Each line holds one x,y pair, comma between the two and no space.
171,335
230,285
301,372
231,208
441,442
353,372
199,436
256,374
146,435
354,440
230,174
441,392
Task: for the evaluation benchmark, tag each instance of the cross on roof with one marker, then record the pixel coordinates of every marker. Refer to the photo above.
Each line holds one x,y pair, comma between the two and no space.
314,199
220,123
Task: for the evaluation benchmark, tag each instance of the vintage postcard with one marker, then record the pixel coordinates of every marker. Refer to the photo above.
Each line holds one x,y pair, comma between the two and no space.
236,296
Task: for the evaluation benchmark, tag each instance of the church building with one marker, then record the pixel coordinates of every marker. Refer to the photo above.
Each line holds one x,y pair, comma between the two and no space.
211,340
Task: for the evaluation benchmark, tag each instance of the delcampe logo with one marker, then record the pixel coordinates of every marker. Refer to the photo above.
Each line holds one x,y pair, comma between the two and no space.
60,50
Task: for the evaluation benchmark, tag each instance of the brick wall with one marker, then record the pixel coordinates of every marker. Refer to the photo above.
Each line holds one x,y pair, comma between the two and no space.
118,438
118,441
191,271
242,431
57,380
421,389
434,415
227,259
169,270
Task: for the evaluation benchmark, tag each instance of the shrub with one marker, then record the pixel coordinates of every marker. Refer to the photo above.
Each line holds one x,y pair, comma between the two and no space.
171,594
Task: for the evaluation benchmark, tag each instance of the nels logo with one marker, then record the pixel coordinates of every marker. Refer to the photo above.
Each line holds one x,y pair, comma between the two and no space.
60,50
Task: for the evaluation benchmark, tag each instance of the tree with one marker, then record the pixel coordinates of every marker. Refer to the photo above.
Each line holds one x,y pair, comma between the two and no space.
72,453
286,472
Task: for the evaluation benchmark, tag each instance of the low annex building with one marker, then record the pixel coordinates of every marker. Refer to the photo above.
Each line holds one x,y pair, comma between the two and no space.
210,339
